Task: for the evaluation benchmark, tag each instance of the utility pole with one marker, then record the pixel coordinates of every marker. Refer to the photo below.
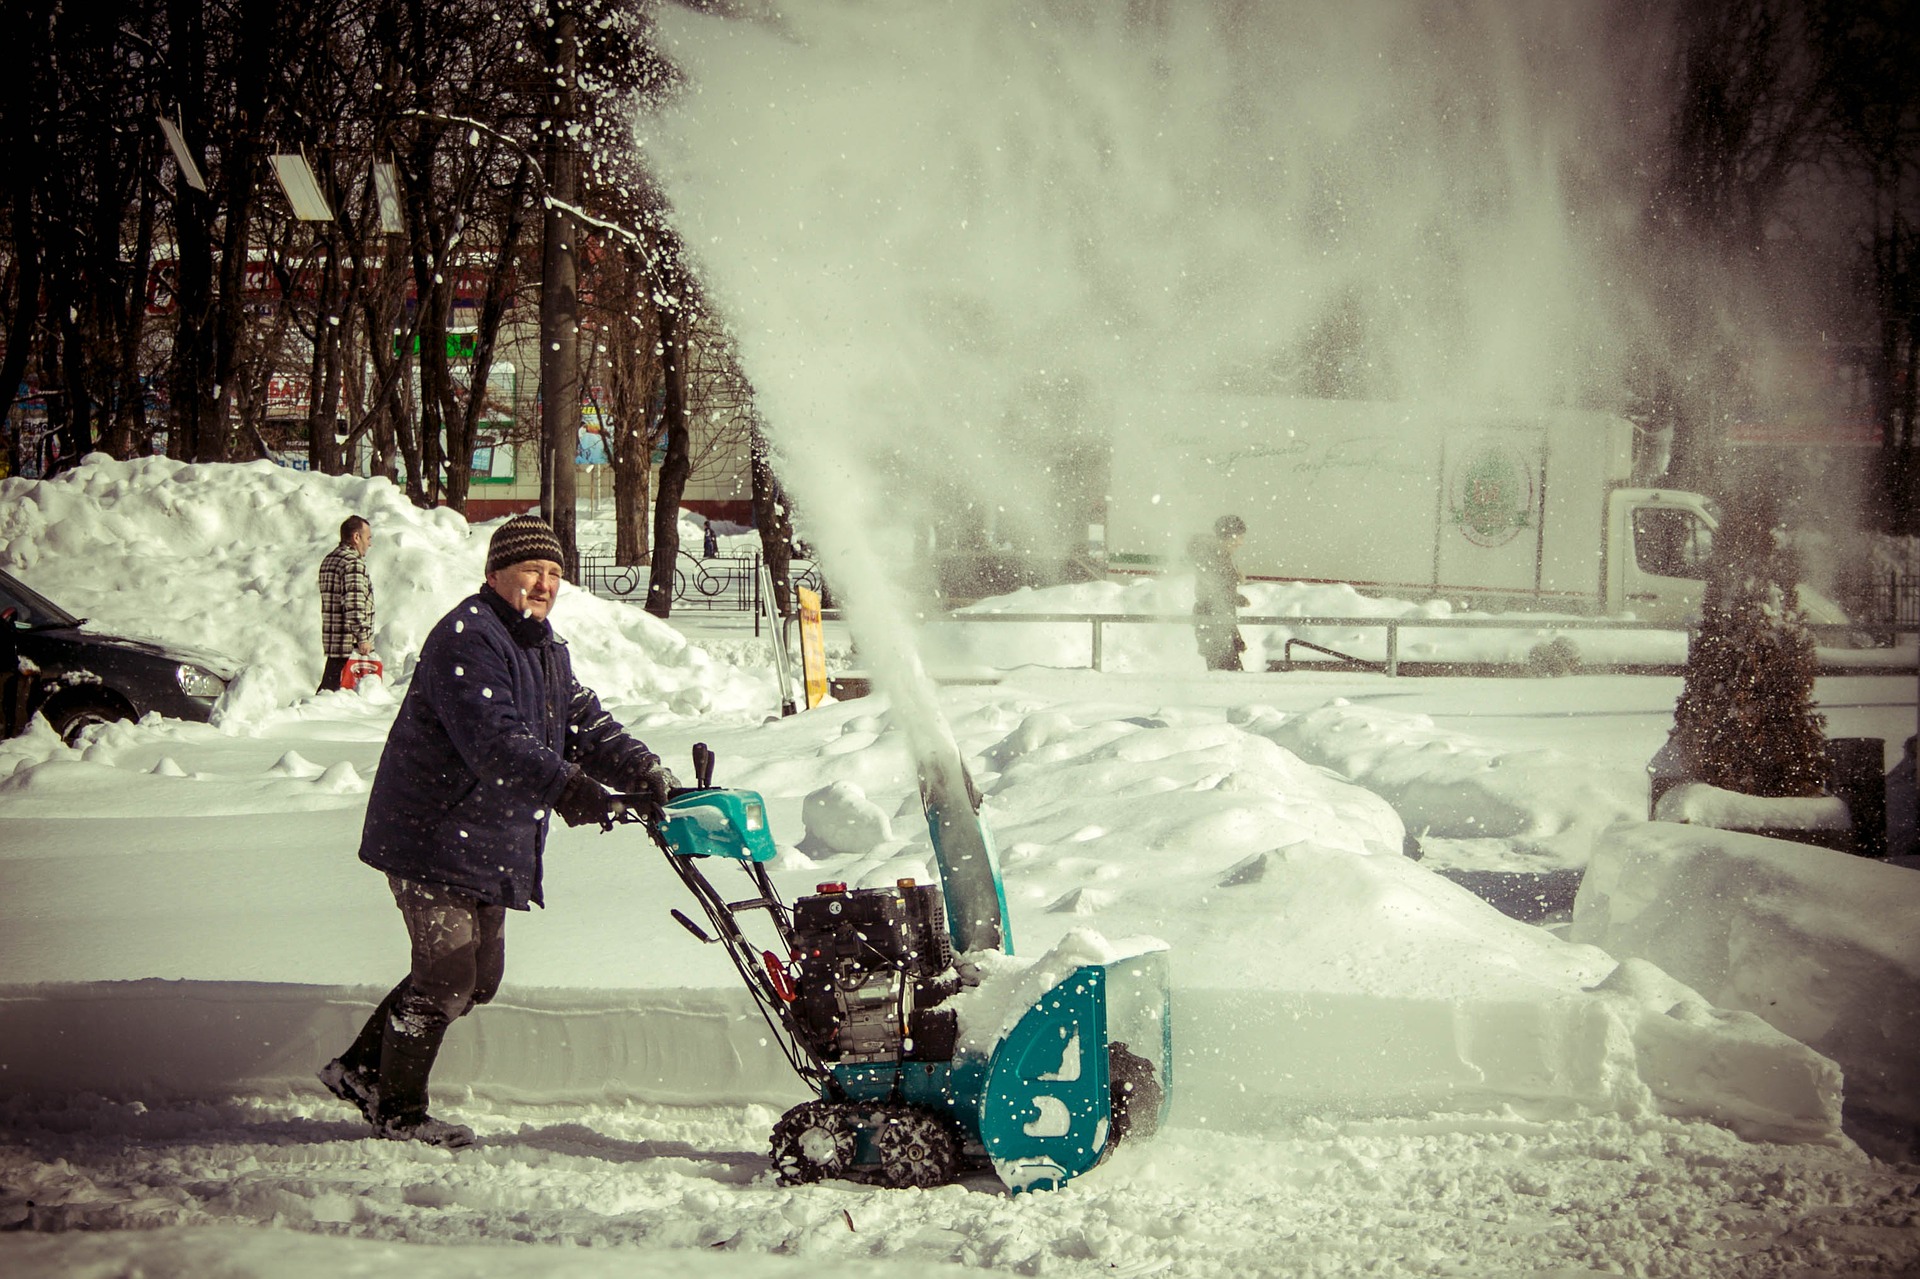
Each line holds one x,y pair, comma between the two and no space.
560,295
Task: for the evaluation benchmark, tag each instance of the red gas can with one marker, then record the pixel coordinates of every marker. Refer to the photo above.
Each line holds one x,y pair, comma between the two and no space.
359,668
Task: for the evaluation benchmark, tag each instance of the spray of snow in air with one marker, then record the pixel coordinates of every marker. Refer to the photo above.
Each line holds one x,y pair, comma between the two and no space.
958,243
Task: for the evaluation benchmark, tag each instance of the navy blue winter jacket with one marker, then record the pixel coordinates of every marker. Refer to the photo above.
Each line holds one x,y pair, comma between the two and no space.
492,729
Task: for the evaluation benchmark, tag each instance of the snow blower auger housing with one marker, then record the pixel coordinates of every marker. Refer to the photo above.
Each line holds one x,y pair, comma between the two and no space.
854,994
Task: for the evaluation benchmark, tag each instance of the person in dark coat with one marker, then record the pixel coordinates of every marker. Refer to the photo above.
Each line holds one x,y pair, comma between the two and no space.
1216,594
709,542
494,734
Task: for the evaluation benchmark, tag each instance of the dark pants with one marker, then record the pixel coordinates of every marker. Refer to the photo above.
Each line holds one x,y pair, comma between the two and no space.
1219,643
330,677
459,946
459,955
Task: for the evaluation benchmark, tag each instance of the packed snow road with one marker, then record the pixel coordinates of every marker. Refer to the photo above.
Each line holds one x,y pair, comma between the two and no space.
1439,1195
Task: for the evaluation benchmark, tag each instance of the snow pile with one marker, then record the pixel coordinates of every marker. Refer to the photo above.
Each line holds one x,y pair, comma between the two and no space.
224,557
1822,945
1546,804
40,776
1315,965
207,1040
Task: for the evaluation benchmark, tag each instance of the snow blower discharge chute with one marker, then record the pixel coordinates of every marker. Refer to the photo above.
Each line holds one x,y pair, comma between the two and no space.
854,994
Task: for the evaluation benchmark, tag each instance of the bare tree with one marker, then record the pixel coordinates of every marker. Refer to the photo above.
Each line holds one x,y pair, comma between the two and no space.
1747,122
675,297
620,299
773,516
1869,56
77,232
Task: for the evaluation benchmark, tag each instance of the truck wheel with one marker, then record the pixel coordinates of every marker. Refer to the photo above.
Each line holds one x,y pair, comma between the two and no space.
1134,1096
916,1148
813,1142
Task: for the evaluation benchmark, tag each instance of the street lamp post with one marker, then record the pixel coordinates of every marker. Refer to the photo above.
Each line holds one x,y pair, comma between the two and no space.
560,305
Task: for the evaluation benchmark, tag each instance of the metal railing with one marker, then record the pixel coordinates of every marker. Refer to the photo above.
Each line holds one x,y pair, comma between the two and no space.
719,583
1871,661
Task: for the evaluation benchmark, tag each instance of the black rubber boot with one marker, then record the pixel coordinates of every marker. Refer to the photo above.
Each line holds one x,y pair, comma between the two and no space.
354,1075
409,1043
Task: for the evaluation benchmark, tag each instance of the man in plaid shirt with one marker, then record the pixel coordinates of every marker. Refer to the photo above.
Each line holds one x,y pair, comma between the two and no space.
346,601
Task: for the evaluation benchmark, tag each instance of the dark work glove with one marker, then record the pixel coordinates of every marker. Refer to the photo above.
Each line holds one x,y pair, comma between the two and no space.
652,786
586,802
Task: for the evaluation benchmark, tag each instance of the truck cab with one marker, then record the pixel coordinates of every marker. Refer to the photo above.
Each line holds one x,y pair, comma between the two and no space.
1658,542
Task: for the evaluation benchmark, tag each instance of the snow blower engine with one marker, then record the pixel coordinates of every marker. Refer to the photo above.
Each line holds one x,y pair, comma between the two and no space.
854,989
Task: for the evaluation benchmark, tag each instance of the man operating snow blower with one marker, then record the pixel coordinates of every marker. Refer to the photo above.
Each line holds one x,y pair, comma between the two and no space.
494,734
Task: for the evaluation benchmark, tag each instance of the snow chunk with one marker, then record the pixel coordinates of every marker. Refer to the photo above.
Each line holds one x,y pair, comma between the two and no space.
1703,805
1820,944
1011,984
839,818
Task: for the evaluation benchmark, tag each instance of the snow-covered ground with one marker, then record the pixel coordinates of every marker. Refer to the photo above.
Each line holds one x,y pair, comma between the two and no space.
1375,1070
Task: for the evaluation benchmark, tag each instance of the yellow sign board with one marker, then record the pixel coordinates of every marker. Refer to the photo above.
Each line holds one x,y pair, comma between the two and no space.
813,647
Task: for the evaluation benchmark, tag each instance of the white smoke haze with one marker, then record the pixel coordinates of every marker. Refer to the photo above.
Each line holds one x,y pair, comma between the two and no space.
957,240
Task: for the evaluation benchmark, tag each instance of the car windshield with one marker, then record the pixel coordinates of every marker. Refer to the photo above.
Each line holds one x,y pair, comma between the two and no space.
29,609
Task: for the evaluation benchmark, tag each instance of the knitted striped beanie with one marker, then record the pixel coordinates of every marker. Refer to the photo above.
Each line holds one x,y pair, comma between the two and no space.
524,537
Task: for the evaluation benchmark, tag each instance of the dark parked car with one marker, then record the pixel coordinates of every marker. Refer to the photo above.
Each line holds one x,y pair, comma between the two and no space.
82,677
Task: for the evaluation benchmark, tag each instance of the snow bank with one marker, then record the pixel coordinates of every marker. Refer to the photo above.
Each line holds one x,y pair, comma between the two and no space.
1823,945
1450,785
224,557
839,818
166,1040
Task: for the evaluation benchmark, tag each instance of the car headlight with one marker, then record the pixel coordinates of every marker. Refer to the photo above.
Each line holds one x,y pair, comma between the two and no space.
195,682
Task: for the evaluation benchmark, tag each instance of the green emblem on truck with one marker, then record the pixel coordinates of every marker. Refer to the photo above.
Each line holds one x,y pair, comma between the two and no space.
1492,494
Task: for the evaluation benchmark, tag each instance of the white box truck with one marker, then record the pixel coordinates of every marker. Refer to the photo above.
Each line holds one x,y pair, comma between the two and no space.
1492,508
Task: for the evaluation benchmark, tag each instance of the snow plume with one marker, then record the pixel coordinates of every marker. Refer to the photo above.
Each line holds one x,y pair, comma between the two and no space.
958,242
224,558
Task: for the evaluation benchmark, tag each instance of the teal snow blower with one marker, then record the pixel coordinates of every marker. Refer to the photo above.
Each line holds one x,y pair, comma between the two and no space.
854,991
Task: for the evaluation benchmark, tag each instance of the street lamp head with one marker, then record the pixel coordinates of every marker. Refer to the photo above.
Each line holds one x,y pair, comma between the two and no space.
302,188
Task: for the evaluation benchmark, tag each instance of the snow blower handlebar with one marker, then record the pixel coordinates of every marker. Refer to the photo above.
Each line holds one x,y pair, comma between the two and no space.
703,822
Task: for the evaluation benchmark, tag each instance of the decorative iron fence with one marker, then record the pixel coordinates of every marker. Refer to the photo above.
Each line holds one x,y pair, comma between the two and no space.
1893,599
728,583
